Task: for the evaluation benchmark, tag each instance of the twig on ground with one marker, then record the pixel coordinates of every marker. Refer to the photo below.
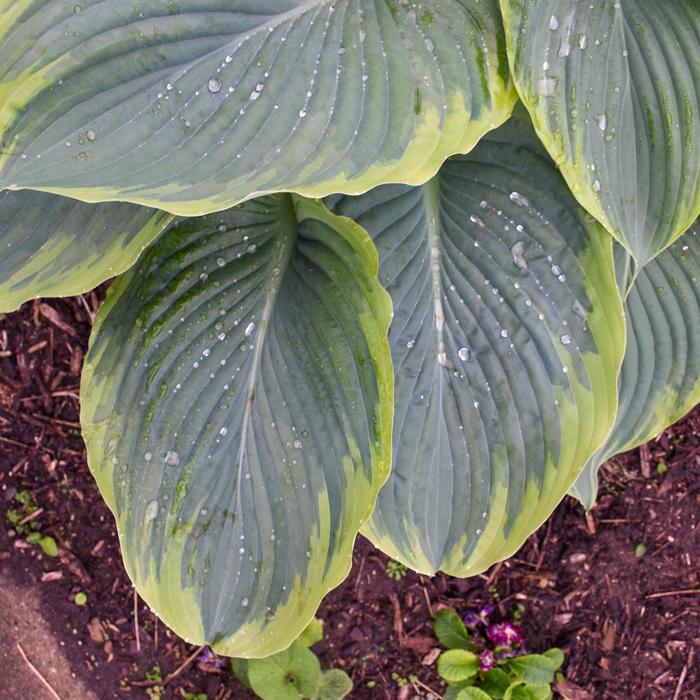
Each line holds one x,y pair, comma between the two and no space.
36,672
418,685
664,594
684,673
136,621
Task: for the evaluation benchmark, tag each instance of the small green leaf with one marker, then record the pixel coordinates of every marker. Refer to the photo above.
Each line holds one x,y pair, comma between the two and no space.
450,630
457,665
452,691
80,598
516,691
496,682
48,545
472,694
538,692
312,634
335,685
535,669
240,669
640,550
556,655
289,675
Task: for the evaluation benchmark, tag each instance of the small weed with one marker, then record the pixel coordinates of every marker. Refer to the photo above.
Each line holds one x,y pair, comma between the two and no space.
396,570
155,692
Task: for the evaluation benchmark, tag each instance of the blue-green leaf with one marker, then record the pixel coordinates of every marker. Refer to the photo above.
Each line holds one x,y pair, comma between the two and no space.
660,377
236,406
196,105
55,246
614,92
507,339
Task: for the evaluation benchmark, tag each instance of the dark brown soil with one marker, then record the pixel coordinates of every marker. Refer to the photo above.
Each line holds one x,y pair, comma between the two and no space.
628,621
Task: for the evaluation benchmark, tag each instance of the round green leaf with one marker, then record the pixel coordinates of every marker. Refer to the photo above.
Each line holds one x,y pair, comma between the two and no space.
534,669
195,106
289,675
236,405
660,377
613,89
335,685
55,246
495,682
450,630
457,665
507,340
472,694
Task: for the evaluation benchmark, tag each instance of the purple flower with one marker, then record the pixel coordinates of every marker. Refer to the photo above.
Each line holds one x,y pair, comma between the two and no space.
487,660
209,658
472,619
505,634
477,619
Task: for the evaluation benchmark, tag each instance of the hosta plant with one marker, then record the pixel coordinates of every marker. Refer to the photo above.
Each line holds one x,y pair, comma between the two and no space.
411,268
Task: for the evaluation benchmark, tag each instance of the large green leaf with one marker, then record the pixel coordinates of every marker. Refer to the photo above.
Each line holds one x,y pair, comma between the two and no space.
197,105
660,377
507,340
237,403
55,246
614,93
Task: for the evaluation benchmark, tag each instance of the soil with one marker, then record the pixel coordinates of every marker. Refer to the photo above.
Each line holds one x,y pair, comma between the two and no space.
617,589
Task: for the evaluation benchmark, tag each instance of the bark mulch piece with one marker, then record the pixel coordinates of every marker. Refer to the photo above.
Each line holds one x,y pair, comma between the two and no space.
618,589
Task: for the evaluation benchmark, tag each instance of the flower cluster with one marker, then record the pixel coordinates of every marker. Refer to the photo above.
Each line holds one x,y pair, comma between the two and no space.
493,641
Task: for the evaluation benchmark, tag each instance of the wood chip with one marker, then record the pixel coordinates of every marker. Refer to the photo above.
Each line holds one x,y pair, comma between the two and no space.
53,316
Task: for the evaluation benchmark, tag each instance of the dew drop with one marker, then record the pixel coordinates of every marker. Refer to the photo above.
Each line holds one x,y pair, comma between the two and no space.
553,23
565,339
518,199
464,354
249,330
151,511
214,85
518,253
172,458
91,135
547,86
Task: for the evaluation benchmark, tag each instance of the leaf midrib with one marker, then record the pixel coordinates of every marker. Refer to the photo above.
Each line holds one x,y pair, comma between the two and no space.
288,216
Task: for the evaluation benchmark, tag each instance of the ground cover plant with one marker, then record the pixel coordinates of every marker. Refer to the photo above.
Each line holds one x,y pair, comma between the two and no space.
360,286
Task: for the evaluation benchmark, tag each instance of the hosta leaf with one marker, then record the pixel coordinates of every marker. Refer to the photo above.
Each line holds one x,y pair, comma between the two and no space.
613,89
237,412
55,246
660,377
507,339
197,105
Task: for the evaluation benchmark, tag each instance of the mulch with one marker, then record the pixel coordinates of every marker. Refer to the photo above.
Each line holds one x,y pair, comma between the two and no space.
617,589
